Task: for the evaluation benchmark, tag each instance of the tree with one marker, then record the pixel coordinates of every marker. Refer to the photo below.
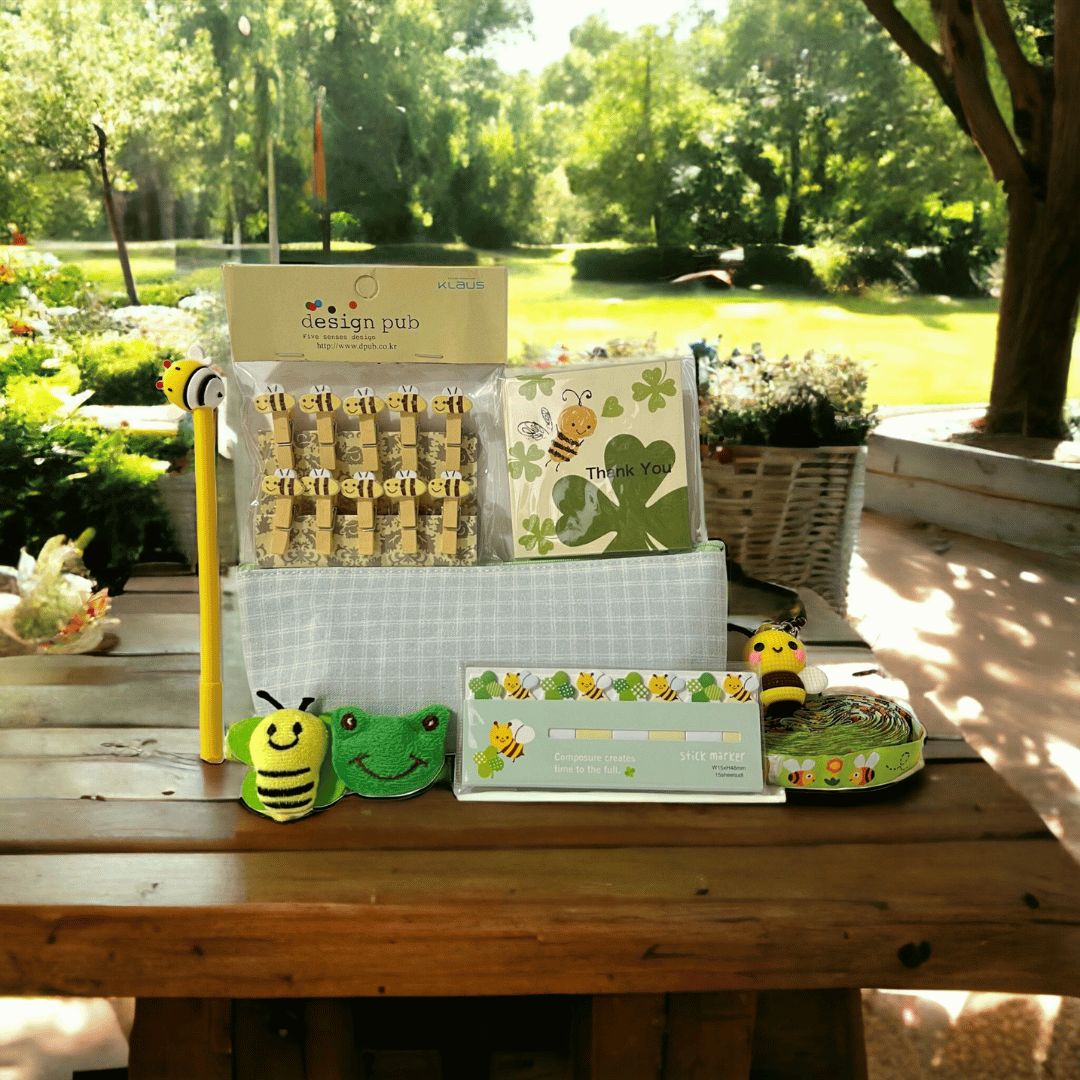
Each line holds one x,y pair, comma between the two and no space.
1038,164
640,130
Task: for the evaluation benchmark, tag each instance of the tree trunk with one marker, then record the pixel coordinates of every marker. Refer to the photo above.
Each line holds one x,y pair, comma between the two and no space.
791,233
1036,321
114,221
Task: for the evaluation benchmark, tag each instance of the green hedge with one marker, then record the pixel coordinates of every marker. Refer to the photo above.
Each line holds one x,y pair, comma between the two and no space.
776,264
400,254
122,372
642,264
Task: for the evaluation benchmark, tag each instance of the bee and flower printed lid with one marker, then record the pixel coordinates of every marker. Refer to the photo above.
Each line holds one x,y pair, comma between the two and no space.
398,314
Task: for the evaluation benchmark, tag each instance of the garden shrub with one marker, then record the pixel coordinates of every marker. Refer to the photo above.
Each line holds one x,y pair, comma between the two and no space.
163,293
641,264
854,269
81,477
776,264
122,372
399,254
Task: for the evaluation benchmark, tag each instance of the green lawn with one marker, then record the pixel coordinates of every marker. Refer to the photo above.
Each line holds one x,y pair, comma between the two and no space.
920,350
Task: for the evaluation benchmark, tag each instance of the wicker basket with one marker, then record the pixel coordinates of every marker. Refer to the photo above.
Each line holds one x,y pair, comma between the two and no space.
789,515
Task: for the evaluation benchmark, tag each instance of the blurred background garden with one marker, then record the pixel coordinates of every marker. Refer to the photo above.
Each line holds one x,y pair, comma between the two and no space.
785,158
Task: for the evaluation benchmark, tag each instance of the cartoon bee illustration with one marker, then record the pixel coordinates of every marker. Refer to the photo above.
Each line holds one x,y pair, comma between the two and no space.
275,400
737,689
452,403
780,659
799,775
520,686
864,769
287,749
364,403
320,484
449,486
192,383
320,400
660,686
284,483
576,424
404,484
593,686
407,399
511,738
361,485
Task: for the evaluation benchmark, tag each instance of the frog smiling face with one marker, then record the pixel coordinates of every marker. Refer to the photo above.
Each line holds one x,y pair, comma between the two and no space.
381,756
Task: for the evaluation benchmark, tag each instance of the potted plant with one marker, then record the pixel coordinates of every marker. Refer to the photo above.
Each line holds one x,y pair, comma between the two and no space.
784,463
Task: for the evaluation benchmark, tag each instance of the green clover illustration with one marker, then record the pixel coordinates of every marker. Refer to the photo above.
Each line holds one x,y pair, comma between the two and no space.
654,389
629,771
537,534
587,514
523,461
612,407
529,384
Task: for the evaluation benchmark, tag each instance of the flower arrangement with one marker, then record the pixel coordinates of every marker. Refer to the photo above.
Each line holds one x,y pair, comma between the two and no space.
48,604
748,399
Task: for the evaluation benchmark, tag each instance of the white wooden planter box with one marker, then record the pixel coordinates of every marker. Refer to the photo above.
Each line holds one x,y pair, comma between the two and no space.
1032,504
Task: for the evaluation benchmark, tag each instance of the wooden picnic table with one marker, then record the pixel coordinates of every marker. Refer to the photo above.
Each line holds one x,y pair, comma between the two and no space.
129,868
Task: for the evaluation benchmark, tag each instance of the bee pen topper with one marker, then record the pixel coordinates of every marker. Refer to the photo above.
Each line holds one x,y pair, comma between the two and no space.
196,386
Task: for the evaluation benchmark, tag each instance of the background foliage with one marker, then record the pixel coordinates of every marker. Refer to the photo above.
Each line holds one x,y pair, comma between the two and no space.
795,122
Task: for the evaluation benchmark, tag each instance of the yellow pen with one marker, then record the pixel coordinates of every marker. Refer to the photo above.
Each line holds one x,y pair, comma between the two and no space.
194,385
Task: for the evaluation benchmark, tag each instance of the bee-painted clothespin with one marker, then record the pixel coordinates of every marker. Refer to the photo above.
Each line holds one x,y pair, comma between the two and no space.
279,406
322,487
323,403
406,488
284,486
408,402
453,405
451,489
365,489
365,405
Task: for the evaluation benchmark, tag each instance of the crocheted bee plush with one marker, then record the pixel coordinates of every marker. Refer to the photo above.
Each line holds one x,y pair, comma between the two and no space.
776,654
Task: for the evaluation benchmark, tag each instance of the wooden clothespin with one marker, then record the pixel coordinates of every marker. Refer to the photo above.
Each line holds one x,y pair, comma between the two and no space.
285,487
322,487
451,489
322,403
365,489
405,488
408,402
453,405
279,406
366,406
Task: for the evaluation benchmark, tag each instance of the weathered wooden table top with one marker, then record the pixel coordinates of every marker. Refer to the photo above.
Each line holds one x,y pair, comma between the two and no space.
127,867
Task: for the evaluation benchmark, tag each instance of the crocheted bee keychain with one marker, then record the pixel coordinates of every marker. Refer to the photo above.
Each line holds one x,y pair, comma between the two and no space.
776,654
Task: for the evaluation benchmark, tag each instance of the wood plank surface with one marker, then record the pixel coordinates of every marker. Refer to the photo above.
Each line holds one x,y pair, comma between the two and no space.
996,915
710,1036
181,1037
622,1038
810,1035
953,802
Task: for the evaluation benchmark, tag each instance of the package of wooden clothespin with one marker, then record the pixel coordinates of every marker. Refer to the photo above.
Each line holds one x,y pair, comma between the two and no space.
370,413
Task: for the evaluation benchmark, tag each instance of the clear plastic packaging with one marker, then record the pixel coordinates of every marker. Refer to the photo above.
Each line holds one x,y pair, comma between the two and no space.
270,492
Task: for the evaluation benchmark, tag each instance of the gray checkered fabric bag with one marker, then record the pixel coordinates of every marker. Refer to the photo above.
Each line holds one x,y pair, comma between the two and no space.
393,639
